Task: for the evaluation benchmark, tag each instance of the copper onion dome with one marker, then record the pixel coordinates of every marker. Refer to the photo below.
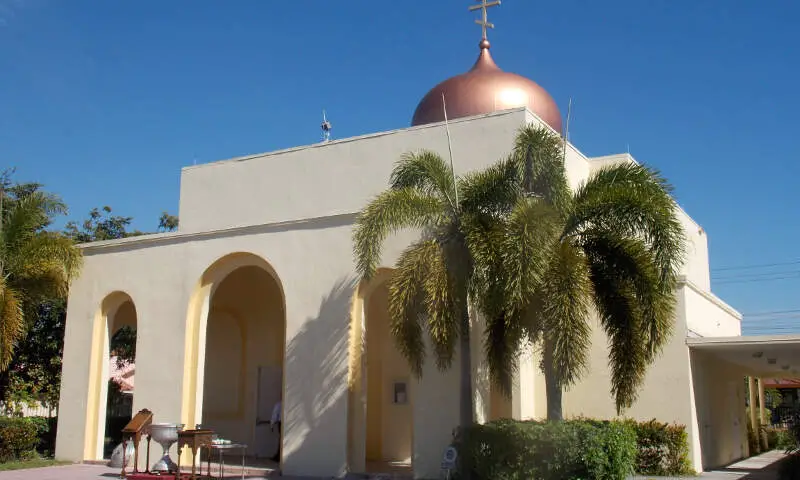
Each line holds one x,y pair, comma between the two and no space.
485,89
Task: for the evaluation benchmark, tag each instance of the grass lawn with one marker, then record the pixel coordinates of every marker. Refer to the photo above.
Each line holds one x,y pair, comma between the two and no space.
33,463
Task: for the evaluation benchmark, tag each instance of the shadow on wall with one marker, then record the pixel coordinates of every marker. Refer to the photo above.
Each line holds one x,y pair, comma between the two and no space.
317,416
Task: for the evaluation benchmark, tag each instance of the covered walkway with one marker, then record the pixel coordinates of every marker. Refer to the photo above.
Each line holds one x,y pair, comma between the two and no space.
761,467
768,356
719,368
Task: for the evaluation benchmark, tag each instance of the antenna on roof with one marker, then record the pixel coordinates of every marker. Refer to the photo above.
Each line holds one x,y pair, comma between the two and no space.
326,128
566,128
450,150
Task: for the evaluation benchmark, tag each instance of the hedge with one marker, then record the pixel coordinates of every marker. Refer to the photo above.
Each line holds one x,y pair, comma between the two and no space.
21,438
574,449
581,449
663,449
18,438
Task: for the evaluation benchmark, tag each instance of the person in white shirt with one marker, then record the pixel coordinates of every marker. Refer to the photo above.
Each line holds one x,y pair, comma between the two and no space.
274,421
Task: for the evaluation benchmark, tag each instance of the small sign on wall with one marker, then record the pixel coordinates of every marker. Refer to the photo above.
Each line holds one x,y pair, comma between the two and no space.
400,393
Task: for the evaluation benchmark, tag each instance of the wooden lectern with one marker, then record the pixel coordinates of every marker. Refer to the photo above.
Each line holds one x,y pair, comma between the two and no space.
134,430
195,439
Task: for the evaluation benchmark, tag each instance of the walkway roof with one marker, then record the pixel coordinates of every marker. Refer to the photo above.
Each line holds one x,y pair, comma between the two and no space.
774,356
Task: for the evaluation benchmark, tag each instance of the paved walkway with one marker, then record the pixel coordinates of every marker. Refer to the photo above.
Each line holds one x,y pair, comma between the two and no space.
89,472
761,467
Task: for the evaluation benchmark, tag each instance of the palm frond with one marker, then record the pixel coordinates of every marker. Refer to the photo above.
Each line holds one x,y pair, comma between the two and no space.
633,200
410,288
541,157
425,171
12,323
389,212
492,191
483,237
28,215
45,264
565,297
620,317
443,307
503,336
630,259
530,233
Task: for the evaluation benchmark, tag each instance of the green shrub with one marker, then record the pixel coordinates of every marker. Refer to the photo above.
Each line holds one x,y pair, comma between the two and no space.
18,438
574,449
663,449
45,434
779,438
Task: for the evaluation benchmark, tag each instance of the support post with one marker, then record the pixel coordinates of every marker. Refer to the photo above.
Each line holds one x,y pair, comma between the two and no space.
762,407
751,388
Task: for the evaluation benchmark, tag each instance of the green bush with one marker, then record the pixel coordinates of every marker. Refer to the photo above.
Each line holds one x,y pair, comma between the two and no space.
779,438
574,449
18,438
46,434
663,449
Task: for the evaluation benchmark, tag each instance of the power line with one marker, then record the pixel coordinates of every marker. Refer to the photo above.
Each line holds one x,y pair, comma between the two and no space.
770,312
751,280
762,265
754,275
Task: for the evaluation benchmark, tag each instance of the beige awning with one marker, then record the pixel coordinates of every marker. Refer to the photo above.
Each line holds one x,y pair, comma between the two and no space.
776,356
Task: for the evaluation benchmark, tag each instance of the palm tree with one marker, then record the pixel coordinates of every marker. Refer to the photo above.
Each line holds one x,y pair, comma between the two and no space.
614,244
35,264
437,277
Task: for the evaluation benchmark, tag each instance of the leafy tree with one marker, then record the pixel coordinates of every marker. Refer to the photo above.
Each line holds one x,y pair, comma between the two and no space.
614,244
36,265
123,345
434,278
167,222
101,225
34,374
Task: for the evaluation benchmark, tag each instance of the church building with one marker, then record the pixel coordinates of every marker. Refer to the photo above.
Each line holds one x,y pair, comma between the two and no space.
255,300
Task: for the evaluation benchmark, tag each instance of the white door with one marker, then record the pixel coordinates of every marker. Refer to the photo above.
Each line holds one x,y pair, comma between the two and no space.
270,389
735,408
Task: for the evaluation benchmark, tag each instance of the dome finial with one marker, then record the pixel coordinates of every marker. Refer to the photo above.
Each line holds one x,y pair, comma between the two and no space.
484,21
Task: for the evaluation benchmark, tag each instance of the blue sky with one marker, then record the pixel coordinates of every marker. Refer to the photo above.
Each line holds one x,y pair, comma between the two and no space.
104,101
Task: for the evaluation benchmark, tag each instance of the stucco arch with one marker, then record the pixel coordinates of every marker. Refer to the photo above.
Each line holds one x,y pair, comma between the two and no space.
358,375
105,324
199,309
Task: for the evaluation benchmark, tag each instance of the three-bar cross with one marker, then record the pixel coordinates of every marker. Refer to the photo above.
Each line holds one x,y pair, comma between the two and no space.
484,21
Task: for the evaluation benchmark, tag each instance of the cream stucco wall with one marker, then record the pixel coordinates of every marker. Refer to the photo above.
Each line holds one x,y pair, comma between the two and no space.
330,179
295,210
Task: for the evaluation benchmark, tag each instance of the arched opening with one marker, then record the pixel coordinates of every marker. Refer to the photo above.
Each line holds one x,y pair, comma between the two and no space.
235,354
381,425
110,402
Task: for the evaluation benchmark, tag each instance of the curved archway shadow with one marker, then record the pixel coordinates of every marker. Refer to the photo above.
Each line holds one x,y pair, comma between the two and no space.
317,384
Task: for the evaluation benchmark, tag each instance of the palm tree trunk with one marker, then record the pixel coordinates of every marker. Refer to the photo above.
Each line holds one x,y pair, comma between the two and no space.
552,388
466,409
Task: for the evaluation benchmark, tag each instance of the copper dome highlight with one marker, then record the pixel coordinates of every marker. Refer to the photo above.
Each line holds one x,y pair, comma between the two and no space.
485,88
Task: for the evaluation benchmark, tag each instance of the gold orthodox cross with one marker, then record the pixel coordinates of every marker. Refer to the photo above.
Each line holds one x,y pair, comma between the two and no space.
484,21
